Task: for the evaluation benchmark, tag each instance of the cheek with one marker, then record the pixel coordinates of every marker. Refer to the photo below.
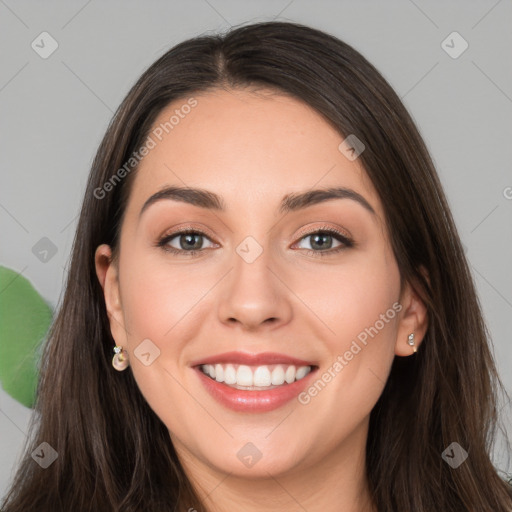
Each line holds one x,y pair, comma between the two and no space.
158,297
159,300
359,304
163,302
351,297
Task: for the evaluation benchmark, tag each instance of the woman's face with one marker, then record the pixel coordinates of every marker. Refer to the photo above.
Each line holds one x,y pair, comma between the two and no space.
267,276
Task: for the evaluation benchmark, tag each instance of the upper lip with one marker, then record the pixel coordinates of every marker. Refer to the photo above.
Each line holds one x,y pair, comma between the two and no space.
248,359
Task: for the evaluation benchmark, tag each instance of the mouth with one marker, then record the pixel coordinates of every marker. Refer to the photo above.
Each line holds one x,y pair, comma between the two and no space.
254,378
254,383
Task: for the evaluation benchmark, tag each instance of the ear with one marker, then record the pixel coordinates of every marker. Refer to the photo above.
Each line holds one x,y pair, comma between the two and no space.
108,276
413,319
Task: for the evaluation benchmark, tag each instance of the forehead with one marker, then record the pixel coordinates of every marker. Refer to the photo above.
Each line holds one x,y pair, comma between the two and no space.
249,147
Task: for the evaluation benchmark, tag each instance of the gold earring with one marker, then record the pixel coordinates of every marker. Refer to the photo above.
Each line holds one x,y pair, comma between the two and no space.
411,341
120,360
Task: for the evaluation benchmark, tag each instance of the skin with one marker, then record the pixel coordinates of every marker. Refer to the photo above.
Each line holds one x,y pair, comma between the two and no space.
252,149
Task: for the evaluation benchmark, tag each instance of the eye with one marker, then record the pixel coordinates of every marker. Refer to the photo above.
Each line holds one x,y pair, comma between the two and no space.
321,242
186,242
189,242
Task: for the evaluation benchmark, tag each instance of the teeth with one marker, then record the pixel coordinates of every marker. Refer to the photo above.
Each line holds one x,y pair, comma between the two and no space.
230,374
219,373
278,376
243,376
289,376
301,372
261,377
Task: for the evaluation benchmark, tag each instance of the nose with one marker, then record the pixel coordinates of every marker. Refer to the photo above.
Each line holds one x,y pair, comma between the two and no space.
254,295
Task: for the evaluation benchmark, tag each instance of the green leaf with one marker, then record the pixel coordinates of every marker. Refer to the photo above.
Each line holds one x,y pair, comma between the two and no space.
24,322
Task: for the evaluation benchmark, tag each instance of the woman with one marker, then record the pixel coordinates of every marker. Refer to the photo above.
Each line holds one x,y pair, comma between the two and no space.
268,306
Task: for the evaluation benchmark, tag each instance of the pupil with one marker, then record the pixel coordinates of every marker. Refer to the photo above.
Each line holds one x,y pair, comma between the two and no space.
320,244
188,237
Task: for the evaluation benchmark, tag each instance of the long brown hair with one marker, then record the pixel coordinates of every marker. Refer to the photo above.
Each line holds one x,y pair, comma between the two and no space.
114,453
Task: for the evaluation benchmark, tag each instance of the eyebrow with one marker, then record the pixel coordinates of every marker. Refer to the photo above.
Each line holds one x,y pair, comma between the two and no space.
291,202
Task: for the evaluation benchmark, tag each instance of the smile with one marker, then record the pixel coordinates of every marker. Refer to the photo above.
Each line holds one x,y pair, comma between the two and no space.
254,398
255,377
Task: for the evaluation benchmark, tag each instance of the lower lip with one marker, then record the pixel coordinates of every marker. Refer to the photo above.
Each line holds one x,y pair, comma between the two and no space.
254,401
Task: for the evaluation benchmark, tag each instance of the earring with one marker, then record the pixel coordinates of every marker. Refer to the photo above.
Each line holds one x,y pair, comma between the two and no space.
411,341
119,361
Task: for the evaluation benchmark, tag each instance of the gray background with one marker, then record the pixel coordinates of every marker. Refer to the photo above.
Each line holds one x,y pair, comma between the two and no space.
54,111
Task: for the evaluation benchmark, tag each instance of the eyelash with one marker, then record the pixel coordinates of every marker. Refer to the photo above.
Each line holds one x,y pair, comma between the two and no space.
347,242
